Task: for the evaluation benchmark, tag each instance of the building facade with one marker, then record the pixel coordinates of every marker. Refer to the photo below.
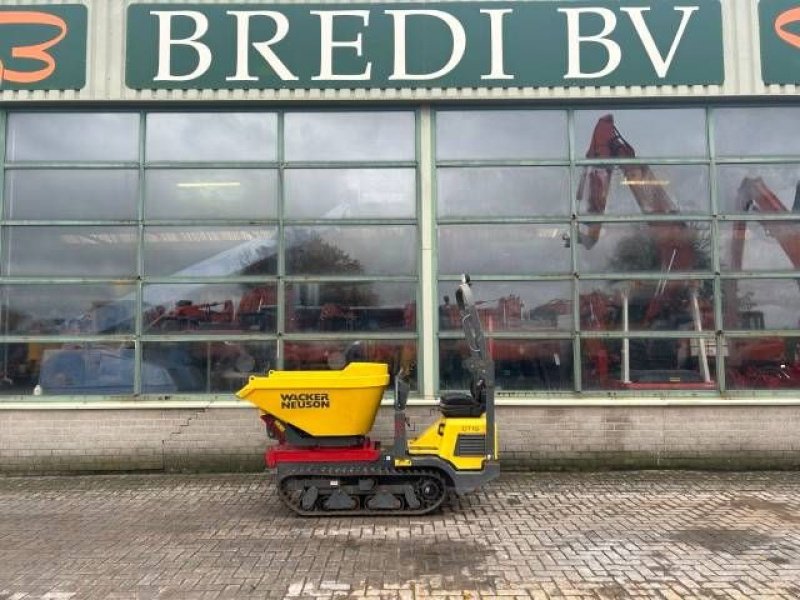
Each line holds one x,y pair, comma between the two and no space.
193,193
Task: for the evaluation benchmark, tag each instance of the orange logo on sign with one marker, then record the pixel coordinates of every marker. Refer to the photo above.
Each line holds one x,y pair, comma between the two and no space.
788,18
36,52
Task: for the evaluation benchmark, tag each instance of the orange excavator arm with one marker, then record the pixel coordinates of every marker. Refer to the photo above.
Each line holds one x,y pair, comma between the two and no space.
673,239
752,355
648,191
756,196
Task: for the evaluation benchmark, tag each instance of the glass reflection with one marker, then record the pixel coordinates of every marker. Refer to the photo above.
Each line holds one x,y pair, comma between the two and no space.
346,136
203,367
759,245
640,189
211,194
501,134
761,303
20,370
662,246
756,131
351,307
650,133
210,251
42,136
71,251
770,189
512,306
350,193
519,364
83,369
763,363
327,355
647,305
68,309
504,249
212,308
35,368
71,194
216,136
648,364
507,191
352,250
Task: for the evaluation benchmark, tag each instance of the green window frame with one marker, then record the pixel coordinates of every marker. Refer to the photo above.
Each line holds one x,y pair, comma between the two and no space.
418,325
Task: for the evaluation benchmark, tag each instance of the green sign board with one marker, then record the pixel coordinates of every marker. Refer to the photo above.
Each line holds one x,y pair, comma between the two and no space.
424,45
43,47
780,40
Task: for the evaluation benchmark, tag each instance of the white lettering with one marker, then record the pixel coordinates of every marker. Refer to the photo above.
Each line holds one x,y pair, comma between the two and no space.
327,44
243,45
166,42
456,30
575,39
661,65
496,29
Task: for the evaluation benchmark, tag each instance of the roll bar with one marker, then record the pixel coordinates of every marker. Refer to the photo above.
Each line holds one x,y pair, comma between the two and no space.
480,363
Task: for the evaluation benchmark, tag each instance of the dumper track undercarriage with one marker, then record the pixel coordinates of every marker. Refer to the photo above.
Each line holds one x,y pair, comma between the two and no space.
341,490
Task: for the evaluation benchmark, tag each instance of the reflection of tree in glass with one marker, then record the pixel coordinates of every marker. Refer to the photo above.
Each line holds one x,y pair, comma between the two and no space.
315,255
663,247
259,261
636,252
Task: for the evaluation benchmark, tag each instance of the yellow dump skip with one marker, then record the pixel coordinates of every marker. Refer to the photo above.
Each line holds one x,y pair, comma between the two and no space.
322,403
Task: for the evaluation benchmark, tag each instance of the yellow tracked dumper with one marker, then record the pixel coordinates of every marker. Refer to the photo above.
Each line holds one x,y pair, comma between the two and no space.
326,463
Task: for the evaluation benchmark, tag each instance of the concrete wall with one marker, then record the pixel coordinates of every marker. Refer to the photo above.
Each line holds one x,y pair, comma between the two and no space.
233,439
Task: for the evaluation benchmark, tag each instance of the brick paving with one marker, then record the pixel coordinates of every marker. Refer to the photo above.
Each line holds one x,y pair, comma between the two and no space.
668,535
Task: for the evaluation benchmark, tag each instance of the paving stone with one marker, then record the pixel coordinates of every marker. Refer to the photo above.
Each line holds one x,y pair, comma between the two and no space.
665,535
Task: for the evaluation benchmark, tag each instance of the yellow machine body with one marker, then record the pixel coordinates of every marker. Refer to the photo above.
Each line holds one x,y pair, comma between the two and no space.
459,441
322,403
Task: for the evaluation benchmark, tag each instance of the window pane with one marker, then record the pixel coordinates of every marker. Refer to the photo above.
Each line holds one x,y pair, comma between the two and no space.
655,364
771,189
501,134
328,355
343,193
210,251
519,364
350,136
351,250
211,194
78,194
91,369
653,305
203,367
772,131
762,363
351,307
512,306
641,189
216,136
503,249
209,308
759,246
652,133
761,303
657,246
504,191
68,309
71,251
44,136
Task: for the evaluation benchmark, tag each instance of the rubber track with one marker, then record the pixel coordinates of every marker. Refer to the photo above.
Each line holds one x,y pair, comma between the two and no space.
339,472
